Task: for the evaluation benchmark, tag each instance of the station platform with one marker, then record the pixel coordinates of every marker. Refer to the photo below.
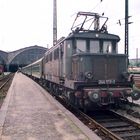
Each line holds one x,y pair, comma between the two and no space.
30,113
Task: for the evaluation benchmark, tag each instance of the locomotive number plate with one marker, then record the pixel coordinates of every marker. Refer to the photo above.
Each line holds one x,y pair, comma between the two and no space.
106,82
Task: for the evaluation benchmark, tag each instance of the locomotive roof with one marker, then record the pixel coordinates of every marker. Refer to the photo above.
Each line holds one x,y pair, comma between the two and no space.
94,35
99,54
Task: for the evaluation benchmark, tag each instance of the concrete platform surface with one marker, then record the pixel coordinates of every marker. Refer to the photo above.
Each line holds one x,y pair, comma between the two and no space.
30,113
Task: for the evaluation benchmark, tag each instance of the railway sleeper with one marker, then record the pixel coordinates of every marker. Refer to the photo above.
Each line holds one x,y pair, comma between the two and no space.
122,129
129,134
115,124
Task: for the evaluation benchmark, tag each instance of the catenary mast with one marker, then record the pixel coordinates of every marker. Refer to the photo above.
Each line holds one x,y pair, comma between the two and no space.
54,22
126,28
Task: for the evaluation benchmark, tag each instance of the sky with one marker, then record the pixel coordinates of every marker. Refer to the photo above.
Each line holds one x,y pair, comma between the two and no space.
26,23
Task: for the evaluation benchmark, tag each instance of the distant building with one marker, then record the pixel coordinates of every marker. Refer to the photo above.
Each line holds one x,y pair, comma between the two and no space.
22,57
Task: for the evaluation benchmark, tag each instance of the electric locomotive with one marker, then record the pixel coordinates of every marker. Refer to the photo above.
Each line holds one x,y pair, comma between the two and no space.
85,67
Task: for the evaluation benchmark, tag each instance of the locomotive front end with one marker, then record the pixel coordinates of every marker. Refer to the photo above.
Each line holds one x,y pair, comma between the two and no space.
102,78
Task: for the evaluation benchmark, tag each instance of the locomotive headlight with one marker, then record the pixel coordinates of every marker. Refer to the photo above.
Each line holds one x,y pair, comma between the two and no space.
88,75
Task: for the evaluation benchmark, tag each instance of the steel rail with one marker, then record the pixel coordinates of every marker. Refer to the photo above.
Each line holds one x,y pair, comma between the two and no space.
10,76
89,119
4,83
93,123
131,121
99,126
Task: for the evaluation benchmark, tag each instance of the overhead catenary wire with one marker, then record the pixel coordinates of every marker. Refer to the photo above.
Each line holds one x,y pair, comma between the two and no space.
96,5
89,10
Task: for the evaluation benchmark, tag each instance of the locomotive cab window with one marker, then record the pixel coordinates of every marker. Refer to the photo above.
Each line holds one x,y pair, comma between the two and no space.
115,47
94,46
80,46
107,47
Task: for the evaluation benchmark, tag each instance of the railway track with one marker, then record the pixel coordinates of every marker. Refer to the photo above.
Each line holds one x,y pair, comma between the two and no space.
2,76
5,83
5,79
119,126
96,127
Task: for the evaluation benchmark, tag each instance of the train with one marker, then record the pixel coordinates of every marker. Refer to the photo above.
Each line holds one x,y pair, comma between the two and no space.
1,69
85,67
